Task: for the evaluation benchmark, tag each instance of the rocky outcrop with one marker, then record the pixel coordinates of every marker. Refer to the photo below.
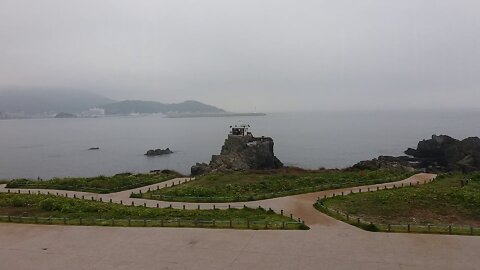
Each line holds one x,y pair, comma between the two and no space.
158,152
444,153
240,153
199,169
65,115
438,154
387,162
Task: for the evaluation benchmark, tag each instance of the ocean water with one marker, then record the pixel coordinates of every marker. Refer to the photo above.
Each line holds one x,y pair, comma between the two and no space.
49,148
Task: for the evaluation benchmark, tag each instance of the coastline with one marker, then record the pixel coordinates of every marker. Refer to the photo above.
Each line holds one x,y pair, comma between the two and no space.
199,115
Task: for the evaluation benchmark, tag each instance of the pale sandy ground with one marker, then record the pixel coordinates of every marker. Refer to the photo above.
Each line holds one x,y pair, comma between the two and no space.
329,244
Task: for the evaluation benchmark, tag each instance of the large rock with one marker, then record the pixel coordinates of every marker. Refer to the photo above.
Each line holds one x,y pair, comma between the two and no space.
241,153
65,115
432,148
199,168
448,154
158,152
438,154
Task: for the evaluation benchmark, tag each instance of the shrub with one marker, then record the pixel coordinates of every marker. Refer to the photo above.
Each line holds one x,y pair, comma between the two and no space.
48,204
370,227
304,227
67,209
18,202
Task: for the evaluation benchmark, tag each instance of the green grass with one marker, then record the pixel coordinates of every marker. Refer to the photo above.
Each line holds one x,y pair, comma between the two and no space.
444,201
58,210
241,186
100,184
400,228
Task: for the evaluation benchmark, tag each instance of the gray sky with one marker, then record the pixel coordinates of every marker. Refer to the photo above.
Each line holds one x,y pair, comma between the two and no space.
275,55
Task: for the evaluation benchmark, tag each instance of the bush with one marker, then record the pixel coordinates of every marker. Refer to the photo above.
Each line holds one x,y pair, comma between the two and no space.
18,183
48,204
18,202
370,227
304,227
67,209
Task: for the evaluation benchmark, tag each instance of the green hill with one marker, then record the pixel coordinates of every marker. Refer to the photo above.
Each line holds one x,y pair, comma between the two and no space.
146,107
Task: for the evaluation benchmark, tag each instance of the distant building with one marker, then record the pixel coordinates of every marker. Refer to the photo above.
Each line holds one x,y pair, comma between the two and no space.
94,112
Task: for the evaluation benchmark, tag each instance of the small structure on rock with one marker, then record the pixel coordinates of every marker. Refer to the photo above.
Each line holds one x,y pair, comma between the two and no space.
240,152
240,130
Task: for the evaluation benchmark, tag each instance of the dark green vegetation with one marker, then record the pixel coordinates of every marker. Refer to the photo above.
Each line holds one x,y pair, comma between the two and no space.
100,184
257,185
449,200
59,210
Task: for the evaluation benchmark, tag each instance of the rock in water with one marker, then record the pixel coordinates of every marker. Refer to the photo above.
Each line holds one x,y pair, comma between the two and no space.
241,153
158,152
65,115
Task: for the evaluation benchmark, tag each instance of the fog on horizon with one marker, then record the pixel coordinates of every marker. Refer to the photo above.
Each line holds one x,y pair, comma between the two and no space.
242,55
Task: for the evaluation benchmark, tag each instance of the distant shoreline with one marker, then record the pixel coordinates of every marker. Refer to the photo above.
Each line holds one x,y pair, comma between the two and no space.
197,115
186,115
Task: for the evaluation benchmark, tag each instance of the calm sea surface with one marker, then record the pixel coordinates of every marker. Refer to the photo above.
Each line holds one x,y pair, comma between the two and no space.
58,147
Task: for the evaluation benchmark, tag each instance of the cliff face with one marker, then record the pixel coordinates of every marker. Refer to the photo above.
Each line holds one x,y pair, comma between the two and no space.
240,153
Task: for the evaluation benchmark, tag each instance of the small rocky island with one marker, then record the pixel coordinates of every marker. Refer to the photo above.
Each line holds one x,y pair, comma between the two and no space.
158,152
65,115
241,151
438,154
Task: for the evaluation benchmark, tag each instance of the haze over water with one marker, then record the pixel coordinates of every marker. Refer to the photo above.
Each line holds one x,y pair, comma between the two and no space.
49,148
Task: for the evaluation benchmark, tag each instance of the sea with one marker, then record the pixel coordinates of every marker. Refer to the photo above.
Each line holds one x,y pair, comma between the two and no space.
48,148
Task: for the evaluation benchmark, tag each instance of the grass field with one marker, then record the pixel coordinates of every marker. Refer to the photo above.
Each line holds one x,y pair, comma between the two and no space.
32,208
240,186
444,201
100,184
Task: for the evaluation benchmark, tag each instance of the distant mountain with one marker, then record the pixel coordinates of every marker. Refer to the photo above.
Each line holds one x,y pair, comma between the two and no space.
147,107
18,103
39,101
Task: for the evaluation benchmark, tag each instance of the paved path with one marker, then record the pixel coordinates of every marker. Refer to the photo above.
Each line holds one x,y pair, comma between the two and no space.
300,206
329,244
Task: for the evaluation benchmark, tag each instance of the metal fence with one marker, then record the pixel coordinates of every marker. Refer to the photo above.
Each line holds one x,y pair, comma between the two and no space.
399,228
223,224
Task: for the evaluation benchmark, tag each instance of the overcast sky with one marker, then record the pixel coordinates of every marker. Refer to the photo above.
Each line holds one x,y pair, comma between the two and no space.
273,55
